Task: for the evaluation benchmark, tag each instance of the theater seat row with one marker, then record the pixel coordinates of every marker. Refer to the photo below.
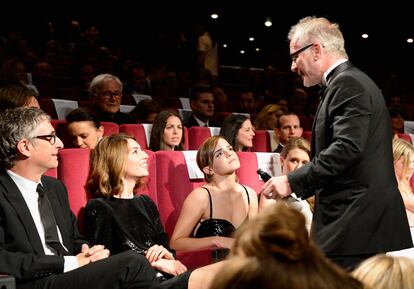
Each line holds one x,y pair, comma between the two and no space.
168,184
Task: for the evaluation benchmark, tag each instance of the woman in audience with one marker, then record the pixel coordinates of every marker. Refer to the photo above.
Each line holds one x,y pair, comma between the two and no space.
167,132
294,155
237,129
211,213
386,272
84,128
17,95
267,118
121,220
273,251
403,154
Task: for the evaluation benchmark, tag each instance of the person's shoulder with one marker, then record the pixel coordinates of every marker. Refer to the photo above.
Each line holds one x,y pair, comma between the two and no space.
97,203
199,194
144,199
250,191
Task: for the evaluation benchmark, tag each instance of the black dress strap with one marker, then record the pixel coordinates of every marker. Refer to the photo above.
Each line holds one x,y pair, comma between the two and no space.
211,203
247,194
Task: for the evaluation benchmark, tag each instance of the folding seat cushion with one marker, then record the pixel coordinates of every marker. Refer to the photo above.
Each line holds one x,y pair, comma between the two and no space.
173,186
150,186
405,137
307,134
250,162
110,128
73,171
196,136
261,141
136,130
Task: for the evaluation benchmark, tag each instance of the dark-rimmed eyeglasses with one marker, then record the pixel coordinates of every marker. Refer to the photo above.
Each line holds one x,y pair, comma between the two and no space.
49,137
109,94
295,54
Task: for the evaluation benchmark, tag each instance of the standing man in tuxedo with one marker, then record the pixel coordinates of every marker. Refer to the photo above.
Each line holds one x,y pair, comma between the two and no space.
359,211
28,148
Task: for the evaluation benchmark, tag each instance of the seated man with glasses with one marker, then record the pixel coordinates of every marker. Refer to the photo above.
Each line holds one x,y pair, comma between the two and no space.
105,92
34,208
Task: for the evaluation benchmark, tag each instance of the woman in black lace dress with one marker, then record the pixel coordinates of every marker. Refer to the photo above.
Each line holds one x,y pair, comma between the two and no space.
121,220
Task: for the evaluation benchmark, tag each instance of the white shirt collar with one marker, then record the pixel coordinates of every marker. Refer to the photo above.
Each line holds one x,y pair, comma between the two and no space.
332,67
200,122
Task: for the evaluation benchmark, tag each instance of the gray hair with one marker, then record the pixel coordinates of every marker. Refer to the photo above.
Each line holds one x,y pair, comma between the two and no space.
97,82
15,125
313,29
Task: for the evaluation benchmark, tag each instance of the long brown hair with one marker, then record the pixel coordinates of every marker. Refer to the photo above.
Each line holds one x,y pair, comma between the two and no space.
157,132
108,166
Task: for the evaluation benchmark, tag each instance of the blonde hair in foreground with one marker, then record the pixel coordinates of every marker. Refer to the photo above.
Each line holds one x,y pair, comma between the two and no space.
386,272
277,241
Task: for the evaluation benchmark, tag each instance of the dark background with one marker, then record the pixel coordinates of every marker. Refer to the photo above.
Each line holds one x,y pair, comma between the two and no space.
149,29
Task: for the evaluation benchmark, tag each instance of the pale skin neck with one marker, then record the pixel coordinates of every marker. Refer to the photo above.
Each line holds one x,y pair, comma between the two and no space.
28,171
128,192
224,183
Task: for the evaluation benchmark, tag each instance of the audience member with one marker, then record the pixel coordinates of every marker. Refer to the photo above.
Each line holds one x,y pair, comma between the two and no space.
268,117
211,213
106,93
248,102
84,129
146,110
287,126
273,251
386,272
294,155
403,154
238,131
167,132
220,100
202,105
41,244
17,95
397,121
124,221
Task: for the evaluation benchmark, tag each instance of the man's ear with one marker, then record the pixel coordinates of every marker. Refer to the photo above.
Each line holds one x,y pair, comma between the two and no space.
207,170
24,147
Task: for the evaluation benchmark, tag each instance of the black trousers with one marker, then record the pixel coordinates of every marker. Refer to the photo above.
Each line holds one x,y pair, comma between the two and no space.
349,263
126,270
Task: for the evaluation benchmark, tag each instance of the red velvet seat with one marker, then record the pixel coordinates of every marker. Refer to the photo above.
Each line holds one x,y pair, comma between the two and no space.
173,186
247,173
136,130
261,141
73,171
197,135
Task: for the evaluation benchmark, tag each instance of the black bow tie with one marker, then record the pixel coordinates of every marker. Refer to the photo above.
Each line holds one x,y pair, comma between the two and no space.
321,92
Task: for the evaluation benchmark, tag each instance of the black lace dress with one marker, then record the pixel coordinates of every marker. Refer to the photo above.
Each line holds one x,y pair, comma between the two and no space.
128,224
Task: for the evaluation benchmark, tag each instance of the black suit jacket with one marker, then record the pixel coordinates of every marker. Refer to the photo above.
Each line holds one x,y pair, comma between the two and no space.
21,250
358,209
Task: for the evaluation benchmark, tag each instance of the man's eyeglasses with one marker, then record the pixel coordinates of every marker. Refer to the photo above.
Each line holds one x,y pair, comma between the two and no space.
295,54
49,137
109,94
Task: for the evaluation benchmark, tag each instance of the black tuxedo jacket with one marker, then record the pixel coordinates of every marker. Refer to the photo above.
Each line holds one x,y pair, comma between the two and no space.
191,122
21,250
358,209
